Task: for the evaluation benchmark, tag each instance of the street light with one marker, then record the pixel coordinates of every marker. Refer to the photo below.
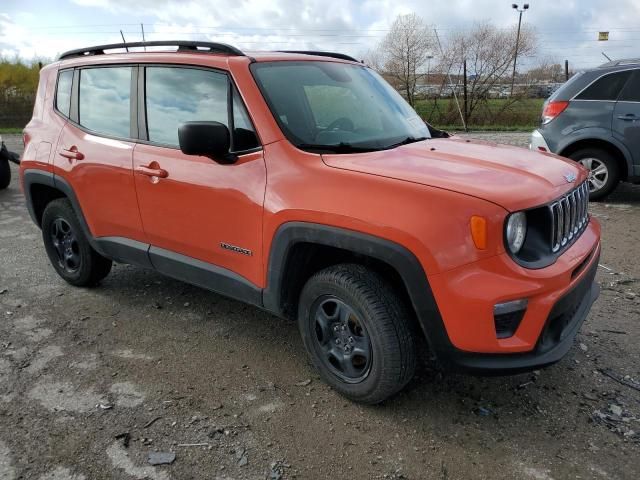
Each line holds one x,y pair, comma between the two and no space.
429,57
515,58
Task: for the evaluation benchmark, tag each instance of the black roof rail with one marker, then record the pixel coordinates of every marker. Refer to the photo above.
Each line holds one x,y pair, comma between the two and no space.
624,61
183,46
341,56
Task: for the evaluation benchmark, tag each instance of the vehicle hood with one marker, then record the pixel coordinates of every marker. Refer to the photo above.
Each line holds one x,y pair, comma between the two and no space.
512,177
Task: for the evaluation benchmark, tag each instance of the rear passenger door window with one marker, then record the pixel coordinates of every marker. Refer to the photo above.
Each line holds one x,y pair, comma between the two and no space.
631,91
105,100
175,95
63,92
606,88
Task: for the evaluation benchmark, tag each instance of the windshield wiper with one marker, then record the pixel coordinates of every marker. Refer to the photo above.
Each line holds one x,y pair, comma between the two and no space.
406,141
339,148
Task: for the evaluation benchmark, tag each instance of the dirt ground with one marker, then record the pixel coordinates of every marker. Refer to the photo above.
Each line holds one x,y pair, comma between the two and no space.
93,380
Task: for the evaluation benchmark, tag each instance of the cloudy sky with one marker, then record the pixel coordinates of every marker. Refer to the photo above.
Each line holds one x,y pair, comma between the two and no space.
565,28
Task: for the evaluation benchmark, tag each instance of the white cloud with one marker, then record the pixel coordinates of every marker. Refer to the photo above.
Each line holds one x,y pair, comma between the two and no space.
567,29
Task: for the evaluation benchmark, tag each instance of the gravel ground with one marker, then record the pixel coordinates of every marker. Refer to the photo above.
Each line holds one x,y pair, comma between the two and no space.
94,380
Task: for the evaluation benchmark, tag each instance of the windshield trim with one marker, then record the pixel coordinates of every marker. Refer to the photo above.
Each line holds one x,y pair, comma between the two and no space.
301,144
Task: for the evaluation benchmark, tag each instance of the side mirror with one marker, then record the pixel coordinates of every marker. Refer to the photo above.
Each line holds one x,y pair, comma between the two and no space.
209,139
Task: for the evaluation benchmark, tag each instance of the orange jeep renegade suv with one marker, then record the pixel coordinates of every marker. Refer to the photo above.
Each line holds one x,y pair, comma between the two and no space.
302,183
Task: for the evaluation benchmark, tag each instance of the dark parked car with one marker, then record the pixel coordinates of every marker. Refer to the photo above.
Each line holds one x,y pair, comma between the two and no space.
5,157
594,119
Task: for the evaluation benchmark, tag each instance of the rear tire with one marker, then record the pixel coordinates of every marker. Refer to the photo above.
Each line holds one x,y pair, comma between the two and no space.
604,171
5,174
68,249
357,332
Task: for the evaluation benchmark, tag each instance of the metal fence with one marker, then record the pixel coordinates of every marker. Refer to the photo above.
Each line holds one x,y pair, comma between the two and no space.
15,111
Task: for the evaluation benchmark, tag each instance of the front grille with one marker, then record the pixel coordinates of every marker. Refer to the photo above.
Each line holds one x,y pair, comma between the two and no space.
569,216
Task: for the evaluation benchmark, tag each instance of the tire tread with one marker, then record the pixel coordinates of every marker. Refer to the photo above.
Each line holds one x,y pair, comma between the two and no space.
392,319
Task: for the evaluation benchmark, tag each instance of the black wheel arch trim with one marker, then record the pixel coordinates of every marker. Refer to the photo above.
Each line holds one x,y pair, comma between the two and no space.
40,177
393,254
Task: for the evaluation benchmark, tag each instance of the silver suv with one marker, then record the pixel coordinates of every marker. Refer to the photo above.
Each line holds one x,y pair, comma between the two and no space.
594,119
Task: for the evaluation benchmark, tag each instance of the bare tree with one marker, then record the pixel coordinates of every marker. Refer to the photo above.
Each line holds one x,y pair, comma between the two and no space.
403,53
489,53
547,71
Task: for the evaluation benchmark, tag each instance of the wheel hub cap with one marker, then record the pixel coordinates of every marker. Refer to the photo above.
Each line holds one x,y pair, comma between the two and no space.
66,245
341,340
598,173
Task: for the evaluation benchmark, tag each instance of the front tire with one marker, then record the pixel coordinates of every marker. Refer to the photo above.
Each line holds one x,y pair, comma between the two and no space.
357,333
68,248
5,174
604,171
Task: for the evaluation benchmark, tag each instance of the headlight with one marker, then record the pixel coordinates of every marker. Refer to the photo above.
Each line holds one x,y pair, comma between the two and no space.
516,231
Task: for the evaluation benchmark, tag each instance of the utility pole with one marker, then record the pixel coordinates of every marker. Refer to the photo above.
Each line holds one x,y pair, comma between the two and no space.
566,70
429,57
466,111
515,58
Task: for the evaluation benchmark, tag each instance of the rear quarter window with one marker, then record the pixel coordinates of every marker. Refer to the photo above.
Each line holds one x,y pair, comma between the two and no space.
569,88
606,88
63,92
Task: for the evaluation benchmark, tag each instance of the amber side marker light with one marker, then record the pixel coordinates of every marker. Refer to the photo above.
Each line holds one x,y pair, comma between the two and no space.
479,232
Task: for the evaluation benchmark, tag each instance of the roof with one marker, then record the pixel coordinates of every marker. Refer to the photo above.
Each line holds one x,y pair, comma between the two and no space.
182,46
621,63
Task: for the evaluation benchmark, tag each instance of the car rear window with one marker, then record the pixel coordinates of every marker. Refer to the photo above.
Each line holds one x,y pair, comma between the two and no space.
631,91
105,100
63,92
565,87
605,88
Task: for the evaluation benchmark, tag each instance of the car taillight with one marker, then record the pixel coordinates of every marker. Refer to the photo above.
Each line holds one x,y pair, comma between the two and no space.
552,110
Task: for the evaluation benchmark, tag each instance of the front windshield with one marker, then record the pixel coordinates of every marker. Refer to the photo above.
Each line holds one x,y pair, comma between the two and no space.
339,107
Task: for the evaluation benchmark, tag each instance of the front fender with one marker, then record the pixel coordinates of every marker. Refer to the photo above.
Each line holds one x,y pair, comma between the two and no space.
395,255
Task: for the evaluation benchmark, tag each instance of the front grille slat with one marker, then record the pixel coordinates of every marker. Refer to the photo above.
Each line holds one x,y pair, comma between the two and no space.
569,216
567,220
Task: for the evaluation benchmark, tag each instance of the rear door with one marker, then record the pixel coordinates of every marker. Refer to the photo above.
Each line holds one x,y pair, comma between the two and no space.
198,210
95,150
593,107
626,117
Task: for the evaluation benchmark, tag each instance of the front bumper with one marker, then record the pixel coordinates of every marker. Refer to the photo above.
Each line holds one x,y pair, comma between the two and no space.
538,143
556,339
559,299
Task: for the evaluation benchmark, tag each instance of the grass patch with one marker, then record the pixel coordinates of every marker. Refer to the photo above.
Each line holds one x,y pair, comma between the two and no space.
488,128
497,114
10,130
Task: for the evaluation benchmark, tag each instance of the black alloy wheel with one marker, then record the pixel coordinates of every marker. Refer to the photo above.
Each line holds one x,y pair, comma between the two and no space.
68,248
341,339
358,332
64,240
